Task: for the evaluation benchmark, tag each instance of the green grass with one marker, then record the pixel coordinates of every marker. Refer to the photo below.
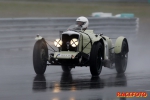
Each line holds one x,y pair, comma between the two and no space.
49,9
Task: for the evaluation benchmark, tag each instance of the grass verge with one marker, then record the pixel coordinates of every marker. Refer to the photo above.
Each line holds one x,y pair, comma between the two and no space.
50,9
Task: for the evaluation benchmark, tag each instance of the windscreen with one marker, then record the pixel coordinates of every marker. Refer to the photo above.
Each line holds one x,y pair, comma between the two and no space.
74,28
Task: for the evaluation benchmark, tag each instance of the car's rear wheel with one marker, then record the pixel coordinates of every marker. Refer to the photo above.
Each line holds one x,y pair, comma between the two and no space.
121,59
96,59
40,56
66,68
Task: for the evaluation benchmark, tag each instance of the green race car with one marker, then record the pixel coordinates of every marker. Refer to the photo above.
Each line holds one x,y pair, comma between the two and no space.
81,48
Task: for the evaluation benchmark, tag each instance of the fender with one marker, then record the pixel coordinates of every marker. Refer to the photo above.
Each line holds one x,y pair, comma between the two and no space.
118,44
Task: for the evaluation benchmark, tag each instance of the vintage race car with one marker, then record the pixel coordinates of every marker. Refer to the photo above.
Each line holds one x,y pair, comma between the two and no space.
81,48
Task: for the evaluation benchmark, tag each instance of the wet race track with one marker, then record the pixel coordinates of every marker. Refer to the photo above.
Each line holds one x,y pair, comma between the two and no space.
18,80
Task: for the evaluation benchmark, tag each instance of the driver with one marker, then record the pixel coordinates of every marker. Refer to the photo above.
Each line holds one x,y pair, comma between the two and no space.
82,22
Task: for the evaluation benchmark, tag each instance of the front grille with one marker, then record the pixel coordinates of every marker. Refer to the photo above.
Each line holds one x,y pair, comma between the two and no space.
66,38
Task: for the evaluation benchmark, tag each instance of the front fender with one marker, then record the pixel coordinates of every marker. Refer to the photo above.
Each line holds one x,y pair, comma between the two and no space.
118,44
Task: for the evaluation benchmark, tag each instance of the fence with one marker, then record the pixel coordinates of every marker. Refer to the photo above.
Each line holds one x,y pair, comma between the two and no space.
19,33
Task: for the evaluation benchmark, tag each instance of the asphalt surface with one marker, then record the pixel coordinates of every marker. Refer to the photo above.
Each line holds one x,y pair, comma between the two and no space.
18,80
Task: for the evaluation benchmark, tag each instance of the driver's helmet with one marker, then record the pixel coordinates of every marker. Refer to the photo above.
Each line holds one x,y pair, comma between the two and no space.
82,22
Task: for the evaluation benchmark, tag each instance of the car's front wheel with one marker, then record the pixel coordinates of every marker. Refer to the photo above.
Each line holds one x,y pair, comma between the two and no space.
40,55
96,59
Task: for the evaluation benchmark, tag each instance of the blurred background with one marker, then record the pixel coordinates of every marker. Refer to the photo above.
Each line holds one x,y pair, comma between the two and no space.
74,8
65,8
139,9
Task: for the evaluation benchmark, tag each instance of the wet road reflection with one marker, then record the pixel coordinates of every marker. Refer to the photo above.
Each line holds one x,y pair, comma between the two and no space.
21,84
39,83
68,83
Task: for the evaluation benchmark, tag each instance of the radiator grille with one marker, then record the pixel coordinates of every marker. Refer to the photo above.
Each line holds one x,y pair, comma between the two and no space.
67,38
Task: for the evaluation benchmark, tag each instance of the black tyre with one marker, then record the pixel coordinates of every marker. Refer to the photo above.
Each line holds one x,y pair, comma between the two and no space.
66,68
40,55
96,59
121,59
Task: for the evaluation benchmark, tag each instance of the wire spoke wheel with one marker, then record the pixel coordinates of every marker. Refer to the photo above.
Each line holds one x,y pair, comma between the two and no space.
121,59
43,57
99,58
40,56
124,58
96,59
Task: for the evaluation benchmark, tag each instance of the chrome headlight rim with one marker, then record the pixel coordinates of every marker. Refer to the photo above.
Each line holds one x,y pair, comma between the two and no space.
74,42
58,43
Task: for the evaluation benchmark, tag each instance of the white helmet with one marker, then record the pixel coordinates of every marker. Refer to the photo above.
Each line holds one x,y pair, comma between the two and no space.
82,22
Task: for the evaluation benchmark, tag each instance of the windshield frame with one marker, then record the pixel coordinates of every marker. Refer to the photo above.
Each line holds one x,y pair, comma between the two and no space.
75,28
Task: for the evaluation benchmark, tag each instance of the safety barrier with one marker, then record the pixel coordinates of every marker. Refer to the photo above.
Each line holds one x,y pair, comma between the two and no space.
19,33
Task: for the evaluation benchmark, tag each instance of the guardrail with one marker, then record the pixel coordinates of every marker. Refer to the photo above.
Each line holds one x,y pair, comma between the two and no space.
19,33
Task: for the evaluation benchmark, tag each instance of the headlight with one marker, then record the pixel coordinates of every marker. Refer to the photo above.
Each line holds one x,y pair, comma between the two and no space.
58,43
74,42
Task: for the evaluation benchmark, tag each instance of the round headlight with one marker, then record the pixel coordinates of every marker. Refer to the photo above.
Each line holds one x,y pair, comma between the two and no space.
58,43
74,42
